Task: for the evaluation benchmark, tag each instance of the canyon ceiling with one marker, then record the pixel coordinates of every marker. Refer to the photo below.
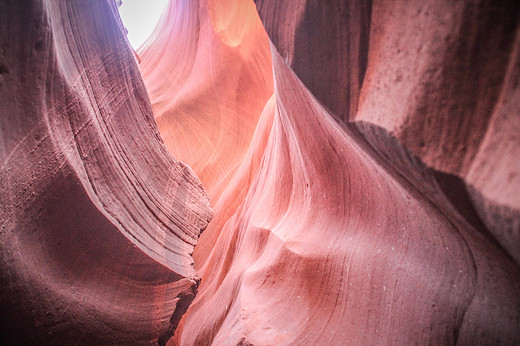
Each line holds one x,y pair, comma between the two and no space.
261,172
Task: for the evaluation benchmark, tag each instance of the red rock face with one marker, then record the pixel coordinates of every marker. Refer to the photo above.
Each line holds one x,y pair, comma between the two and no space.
98,221
354,218
361,159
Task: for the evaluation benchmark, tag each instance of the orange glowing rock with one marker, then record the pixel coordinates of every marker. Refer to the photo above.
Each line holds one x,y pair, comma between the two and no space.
208,71
334,228
361,158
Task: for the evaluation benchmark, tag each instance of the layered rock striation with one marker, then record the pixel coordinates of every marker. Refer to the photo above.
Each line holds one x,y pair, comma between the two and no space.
98,221
373,204
360,157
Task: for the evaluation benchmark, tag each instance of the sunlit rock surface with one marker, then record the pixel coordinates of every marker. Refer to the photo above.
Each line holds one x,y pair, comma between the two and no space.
208,72
361,158
98,221
376,202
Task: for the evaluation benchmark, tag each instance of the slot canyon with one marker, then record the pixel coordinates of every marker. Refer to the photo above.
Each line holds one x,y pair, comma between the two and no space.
269,172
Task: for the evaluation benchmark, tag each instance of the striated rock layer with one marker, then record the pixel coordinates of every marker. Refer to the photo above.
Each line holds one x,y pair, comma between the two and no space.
98,221
208,71
377,201
361,158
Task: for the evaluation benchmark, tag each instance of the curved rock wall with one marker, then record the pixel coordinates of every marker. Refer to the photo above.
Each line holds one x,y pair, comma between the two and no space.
208,71
98,221
361,158
376,202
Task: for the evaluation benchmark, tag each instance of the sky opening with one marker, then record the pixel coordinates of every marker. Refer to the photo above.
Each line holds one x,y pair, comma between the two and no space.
140,18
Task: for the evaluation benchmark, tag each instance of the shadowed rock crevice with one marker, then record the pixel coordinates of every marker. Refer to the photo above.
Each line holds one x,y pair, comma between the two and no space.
455,190
336,72
182,302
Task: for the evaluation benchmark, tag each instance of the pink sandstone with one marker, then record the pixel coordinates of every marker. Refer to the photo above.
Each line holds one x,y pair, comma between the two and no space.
361,158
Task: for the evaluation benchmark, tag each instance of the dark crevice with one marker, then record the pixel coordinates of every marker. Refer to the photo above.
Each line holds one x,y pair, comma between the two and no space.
3,69
185,298
39,46
336,44
454,189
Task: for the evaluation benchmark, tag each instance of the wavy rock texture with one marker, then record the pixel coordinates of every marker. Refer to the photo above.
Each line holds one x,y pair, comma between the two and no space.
98,221
208,71
361,158
376,202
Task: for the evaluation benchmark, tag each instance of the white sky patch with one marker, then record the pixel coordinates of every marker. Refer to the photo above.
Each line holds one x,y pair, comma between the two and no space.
140,18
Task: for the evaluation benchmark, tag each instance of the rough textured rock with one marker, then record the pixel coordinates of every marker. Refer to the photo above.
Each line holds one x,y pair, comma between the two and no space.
447,72
98,221
326,44
361,158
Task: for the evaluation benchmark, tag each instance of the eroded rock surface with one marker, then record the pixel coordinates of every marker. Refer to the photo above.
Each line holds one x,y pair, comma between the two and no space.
361,158
376,202
98,221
